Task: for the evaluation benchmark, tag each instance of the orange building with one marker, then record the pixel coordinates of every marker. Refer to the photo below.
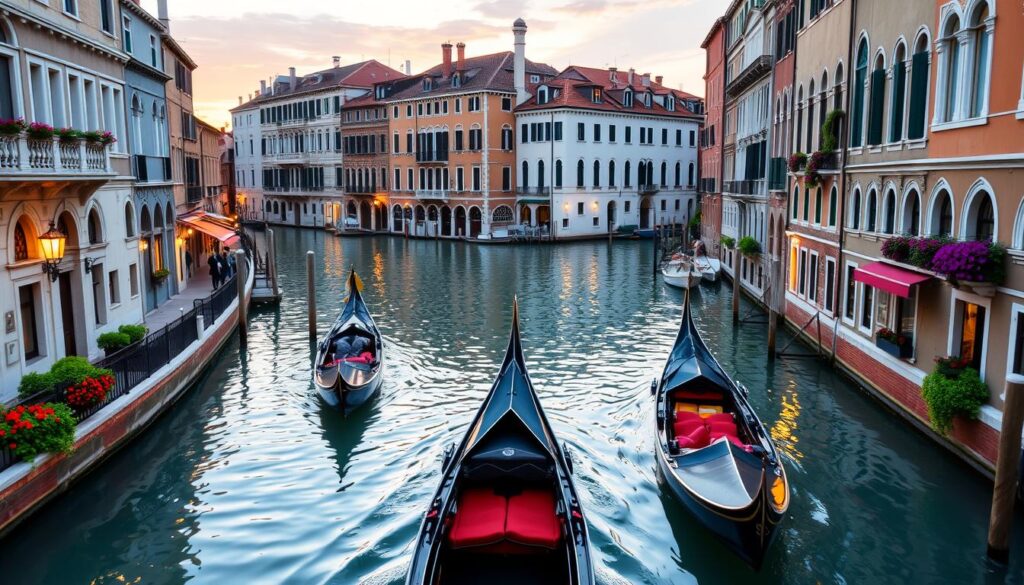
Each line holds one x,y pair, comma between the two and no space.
451,140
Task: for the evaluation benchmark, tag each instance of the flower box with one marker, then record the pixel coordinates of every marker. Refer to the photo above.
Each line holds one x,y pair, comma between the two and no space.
897,350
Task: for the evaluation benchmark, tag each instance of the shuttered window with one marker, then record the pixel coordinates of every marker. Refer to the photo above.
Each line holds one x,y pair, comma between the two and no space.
918,96
857,122
899,95
877,107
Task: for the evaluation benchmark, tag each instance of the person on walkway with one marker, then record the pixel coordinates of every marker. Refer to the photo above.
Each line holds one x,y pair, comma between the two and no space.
214,263
188,263
231,262
225,267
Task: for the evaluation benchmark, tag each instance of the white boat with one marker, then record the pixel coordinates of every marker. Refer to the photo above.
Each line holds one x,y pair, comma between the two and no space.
680,274
708,267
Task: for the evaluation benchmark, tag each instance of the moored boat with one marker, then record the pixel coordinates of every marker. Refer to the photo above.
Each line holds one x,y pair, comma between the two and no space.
709,268
350,358
506,510
680,272
713,452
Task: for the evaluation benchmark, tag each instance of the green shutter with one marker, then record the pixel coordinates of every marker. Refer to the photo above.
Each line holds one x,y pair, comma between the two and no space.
918,93
899,90
877,107
857,121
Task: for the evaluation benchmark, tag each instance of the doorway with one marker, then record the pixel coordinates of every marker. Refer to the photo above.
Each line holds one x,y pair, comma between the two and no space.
67,313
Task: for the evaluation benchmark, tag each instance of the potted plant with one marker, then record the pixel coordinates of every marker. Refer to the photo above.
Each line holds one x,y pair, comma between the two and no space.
135,332
829,137
897,248
797,161
980,265
38,428
12,127
922,250
68,135
727,242
160,275
952,390
113,341
40,131
89,392
895,344
749,247
34,383
105,138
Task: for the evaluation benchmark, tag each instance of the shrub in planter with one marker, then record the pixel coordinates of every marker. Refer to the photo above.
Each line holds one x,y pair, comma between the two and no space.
948,397
112,341
727,242
922,250
40,131
34,383
38,428
971,262
68,135
897,248
160,275
797,161
135,332
73,369
12,127
749,247
829,138
89,392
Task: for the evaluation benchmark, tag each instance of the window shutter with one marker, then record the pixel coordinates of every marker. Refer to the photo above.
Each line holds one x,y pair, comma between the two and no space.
918,91
877,107
857,121
899,90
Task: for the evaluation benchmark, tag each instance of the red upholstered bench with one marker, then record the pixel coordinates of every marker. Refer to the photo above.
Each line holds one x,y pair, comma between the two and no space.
532,520
480,520
690,396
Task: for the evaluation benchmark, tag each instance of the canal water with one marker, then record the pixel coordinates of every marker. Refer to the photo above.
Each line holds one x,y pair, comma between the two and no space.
250,479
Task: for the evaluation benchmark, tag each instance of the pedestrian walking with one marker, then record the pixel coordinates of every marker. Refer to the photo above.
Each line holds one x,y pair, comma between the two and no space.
188,263
231,262
214,263
225,266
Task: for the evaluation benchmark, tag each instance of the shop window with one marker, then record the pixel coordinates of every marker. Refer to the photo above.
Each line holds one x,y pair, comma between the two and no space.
830,284
867,300
30,342
1015,362
969,330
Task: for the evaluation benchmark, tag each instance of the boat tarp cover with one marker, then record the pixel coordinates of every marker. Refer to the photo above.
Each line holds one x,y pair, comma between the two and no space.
691,362
512,395
721,474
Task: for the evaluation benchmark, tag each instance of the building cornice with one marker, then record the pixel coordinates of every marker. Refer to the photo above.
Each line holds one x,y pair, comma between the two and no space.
136,65
141,12
618,114
26,17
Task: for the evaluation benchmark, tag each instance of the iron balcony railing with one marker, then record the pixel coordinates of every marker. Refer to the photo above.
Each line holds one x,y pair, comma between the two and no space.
431,194
543,191
648,189
747,187
709,185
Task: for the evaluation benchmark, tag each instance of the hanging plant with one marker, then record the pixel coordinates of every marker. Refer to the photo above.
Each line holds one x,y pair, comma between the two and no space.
727,242
971,262
749,247
12,127
797,161
159,276
829,138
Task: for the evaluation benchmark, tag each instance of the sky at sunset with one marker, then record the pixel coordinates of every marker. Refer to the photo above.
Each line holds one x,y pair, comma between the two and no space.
237,43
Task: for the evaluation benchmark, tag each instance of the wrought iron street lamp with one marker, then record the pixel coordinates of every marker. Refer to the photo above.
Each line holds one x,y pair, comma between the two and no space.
52,243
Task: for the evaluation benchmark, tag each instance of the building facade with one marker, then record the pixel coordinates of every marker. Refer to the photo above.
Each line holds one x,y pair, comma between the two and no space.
711,139
63,66
365,170
601,151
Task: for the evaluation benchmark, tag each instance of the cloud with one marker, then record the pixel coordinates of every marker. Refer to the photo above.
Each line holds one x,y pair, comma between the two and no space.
504,9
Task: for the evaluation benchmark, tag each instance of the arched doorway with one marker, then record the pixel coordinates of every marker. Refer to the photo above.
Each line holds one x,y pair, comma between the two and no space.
645,213
366,218
525,215
381,223
351,213
611,216
474,222
544,216
446,221
73,321
460,221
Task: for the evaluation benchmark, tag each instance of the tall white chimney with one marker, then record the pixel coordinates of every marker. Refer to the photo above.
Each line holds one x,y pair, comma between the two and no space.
263,86
519,72
408,67
161,11
239,100
337,60
291,77
646,80
629,80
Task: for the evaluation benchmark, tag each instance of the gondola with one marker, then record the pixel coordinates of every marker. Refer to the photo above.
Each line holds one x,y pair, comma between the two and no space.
347,381
713,452
506,510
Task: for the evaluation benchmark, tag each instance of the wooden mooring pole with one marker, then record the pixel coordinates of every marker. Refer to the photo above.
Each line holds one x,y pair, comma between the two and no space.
1003,496
311,294
271,261
736,285
773,305
242,266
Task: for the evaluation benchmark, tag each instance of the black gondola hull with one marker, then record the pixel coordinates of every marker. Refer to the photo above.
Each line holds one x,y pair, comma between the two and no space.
345,398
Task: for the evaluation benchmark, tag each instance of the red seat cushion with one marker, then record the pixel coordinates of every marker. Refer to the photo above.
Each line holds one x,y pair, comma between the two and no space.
685,427
696,439
720,417
689,395
479,520
729,428
732,439
687,415
532,519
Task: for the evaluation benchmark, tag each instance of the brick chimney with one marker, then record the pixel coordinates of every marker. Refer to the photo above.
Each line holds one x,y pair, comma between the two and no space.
658,79
632,72
292,82
460,64
612,74
446,60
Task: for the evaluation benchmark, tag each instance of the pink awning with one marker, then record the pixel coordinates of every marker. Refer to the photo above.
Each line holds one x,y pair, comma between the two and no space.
891,279
224,235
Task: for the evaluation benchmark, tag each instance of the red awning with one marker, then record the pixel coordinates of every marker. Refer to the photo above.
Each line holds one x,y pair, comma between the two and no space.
891,279
224,235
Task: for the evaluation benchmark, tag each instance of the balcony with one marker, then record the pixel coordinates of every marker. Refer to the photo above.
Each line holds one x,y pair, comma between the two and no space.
361,190
432,157
645,189
294,190
193,193
777,177
58,164
533,191
747,187
749,76
151,169
432,194
295,158
293,123
708,185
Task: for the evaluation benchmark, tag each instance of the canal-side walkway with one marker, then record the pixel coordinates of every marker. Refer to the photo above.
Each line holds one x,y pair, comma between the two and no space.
180,345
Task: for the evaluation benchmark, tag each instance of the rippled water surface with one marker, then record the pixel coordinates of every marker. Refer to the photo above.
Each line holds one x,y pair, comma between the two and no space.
250,479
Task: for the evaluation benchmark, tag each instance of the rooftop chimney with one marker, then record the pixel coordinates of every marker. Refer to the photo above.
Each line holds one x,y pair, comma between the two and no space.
408,67
446,59
611,74
632,72
460,64
250,97
658,79
519,30
337,60
263,86
239,100
646,80
161,11
293,84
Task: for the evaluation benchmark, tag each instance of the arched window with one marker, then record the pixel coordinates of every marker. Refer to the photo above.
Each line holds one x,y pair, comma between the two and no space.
919,75
889,213
94,227
822,106
855,210
540,175
833,201
837,98
690,178
558,174
899,93
871,220
1018,227
817,206
267,207
949,68
810,117
597,174
859,87
912,214
799,118
876,108
941,220
679,175
526,175
129,220
611,173
579,173
807,204
145,222
981,41
502,215
664,174
22,250
980,217
626,178
796,202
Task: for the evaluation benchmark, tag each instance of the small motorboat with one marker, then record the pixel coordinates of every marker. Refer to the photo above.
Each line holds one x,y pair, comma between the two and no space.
713,452
506,510
350,357
709,268
680,272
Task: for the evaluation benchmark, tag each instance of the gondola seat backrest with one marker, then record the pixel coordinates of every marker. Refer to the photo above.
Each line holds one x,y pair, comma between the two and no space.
508,459
489,522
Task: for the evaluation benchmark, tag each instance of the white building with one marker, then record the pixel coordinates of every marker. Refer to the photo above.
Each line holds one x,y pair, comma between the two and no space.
288,139
600,150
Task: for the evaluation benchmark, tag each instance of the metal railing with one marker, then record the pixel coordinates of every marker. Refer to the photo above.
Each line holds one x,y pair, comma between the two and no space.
747,187
533,190
431,194
213,305
646,189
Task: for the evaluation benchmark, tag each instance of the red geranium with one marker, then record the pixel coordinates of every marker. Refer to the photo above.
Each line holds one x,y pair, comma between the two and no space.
38,428
89,392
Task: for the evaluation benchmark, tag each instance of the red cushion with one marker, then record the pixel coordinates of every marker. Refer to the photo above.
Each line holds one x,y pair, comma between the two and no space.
729,428
685,427
532,519
696,439
687,415
732,439
479,520
721,417
689,395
